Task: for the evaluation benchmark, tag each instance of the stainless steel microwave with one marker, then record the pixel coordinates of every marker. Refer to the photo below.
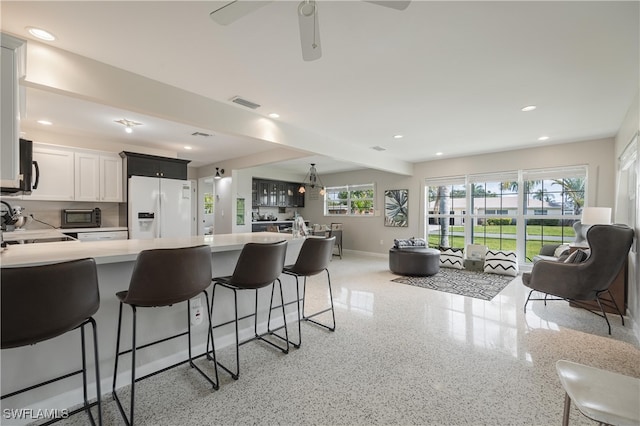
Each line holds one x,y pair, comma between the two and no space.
81,218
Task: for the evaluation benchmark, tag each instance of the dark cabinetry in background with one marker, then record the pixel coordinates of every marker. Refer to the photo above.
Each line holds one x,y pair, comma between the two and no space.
154,166
273,193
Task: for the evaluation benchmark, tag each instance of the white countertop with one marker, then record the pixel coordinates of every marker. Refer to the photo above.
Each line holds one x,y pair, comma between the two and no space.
37,234
105,229
124,250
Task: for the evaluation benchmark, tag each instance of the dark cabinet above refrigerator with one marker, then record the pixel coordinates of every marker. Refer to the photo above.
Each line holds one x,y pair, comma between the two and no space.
154,166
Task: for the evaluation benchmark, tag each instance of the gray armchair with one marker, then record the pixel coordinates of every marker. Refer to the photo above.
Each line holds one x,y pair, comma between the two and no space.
589,280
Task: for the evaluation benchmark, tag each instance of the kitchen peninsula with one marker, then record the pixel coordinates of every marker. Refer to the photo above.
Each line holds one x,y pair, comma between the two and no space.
283,225
115,262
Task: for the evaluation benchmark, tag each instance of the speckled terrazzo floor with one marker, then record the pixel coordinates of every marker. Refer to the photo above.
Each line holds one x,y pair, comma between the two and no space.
401,355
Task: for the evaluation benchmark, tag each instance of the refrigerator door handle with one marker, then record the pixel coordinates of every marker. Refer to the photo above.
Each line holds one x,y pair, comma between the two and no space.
159,214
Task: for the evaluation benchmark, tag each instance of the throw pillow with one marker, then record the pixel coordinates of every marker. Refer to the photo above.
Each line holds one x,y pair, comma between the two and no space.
410,242
560,250
501,262
400,243
451,257
577,256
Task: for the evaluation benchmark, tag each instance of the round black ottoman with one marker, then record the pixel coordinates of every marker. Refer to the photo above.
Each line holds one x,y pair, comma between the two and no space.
420,261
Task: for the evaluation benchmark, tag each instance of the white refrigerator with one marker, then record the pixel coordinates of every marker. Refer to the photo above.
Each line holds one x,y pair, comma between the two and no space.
159,208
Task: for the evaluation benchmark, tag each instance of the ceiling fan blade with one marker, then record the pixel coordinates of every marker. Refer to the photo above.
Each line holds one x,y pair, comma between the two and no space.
393,4
309,30
235,10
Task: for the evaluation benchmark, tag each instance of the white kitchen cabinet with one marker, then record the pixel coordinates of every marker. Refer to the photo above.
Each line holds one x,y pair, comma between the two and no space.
87,176
111,178
12,69
56,173
98,177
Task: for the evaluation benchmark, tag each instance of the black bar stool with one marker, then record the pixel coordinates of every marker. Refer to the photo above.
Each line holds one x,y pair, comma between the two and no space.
43,302
258,266
336,231
314,257
164,277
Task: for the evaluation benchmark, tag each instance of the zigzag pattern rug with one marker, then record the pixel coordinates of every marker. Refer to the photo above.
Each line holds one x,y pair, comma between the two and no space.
459,281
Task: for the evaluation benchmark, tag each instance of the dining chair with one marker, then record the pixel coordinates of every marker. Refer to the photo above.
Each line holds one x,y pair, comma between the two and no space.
336,231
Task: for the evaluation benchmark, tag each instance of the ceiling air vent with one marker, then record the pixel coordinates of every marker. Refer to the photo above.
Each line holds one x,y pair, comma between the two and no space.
204,135
378,148
245,103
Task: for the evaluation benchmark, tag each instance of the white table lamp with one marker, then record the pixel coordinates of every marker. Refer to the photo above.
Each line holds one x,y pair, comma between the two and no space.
591,216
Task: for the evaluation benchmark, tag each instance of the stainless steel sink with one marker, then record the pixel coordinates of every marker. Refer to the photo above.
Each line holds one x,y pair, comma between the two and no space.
31,237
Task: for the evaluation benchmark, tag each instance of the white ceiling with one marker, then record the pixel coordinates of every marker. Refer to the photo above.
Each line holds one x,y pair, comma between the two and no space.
449,76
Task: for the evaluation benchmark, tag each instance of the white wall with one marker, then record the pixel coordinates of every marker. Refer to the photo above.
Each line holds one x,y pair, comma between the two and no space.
629,128
224,212
369,233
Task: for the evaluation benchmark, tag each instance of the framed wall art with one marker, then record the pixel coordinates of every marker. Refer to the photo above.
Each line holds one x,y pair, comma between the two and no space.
396,207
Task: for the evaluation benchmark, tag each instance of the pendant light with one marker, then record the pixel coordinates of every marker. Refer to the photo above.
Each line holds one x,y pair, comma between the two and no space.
312,179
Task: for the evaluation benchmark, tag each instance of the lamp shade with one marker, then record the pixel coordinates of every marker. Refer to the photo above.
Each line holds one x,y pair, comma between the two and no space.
596,216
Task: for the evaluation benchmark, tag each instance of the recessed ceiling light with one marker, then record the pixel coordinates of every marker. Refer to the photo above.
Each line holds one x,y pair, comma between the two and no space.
41,34
274,115
543,138
529,108
44,122
438,153
187,147
398,136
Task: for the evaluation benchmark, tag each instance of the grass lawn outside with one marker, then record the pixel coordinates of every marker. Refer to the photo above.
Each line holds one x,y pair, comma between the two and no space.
543,235
555,231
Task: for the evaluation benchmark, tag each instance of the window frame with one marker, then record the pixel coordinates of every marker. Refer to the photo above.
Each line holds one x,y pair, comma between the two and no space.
521,213
349,200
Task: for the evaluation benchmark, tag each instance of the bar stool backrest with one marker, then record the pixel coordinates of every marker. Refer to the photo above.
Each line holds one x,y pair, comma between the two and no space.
162,277
42,302
314,256
259,264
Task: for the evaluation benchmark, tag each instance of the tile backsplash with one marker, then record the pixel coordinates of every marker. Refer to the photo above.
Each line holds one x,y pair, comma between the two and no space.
113,214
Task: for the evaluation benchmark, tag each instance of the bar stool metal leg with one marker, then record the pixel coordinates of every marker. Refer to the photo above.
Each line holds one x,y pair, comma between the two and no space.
129,420
567,410
333,315
257,336
273,332
235,374
190,360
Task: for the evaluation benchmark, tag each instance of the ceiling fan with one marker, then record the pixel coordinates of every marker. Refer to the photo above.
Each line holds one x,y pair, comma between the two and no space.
307,19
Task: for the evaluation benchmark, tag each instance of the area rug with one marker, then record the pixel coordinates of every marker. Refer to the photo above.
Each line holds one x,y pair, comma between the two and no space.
459,281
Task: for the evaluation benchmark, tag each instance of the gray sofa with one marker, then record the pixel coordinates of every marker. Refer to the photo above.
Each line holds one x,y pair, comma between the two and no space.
547,252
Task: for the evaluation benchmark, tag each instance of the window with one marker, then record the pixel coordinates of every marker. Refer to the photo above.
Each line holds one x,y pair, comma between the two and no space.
558,195
494,210
517,210
208,203
350,200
